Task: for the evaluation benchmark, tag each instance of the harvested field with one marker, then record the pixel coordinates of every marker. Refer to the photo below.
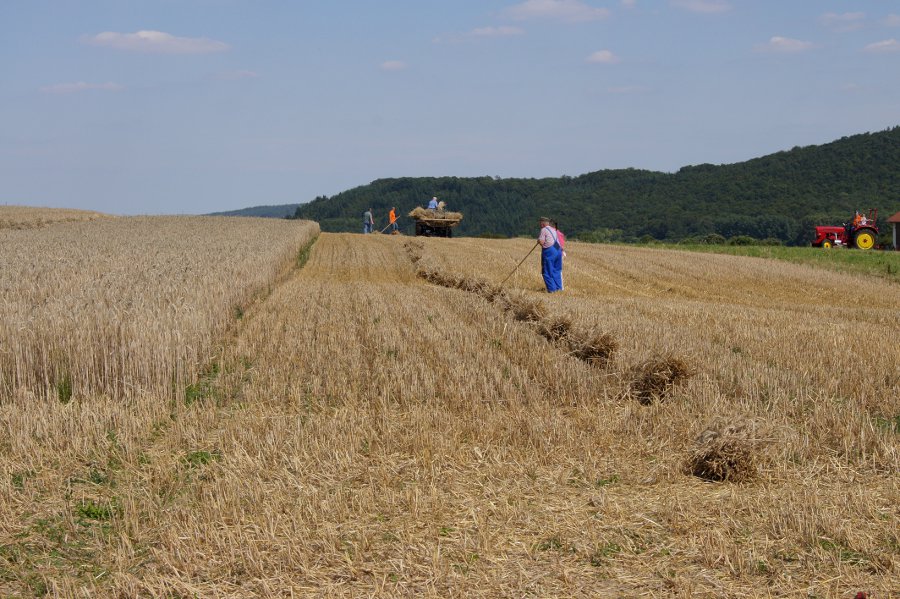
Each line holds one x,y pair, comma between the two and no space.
26,217
367,431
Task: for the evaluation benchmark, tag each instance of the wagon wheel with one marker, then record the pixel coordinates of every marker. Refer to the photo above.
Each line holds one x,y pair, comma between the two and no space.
864,240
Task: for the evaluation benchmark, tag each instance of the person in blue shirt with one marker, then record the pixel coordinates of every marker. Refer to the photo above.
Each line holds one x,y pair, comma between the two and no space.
368,221
433,204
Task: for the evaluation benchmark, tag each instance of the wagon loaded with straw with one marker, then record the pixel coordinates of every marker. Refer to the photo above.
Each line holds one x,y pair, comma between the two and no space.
435,223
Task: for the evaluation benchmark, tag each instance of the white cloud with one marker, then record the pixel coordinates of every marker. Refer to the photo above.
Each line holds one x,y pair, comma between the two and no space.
496,31
563,10
629,3
80,86
890,45
603,57
892,21
848,21
393,65
785,45
703,6
156,42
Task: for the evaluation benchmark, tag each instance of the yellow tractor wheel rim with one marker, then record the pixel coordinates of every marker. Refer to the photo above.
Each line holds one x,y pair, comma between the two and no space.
826,245
865,241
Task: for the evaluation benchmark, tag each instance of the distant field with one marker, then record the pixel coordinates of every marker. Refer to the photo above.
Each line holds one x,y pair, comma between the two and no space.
26,217
384,421
885,264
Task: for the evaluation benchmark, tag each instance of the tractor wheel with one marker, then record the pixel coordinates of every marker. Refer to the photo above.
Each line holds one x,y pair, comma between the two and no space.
826,245
864,240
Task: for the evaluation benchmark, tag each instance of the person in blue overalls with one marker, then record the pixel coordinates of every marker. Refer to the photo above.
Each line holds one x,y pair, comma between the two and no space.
551,256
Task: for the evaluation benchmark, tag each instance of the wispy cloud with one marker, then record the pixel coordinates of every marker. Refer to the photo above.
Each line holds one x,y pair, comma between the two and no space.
890,45
785,45
629,3
703,6
892,21
504,31
81,86
571,11
848,21
393,65
481,33
235,75
603,57
156,42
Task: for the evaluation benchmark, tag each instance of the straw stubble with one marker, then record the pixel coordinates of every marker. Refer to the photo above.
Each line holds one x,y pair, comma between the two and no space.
366,433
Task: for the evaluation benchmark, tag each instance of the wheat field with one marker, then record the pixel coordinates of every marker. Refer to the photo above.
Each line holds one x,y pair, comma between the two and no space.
384,421
26,217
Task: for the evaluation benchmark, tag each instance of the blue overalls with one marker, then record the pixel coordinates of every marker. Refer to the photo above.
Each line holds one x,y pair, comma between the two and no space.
551,264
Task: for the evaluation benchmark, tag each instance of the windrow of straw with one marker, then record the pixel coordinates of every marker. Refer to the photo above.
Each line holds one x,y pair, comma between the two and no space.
594,347
414,250
728,450
655,378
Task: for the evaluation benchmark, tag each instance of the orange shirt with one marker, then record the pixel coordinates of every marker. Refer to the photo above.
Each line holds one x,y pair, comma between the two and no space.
391,216
857,219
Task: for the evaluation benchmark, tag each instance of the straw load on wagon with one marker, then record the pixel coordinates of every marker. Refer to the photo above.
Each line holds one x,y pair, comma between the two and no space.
435,222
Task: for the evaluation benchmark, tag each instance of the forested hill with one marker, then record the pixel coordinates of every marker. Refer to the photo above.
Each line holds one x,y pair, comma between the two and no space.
777,196
278,211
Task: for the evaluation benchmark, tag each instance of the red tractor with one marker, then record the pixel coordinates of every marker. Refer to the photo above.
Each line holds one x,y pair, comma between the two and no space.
859,233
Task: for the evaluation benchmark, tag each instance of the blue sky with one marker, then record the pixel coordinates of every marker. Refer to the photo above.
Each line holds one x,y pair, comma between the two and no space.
191,106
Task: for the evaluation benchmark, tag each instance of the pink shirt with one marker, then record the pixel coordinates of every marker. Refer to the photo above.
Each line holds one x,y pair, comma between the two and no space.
547,237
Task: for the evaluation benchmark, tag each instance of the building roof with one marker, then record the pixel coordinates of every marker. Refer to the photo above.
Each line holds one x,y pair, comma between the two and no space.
894,219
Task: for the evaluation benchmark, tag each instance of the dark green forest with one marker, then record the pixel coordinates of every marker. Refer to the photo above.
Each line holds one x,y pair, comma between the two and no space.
777,197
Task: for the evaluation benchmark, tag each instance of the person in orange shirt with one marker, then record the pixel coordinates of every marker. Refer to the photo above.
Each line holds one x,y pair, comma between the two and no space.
392,217
857,219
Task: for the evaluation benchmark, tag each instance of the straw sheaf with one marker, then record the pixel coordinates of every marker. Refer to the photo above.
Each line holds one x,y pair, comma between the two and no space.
527,309
655,378
555,328
728,450
594,347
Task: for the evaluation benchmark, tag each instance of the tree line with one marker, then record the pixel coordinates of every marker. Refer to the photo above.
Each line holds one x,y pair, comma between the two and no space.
779,197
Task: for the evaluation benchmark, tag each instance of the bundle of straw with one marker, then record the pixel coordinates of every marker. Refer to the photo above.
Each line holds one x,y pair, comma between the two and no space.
594,347
656,378
727,451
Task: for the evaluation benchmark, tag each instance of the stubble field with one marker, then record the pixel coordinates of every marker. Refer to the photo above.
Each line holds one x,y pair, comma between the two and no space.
384,422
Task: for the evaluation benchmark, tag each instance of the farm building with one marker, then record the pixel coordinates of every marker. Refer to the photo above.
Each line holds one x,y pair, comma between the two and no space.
895,223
